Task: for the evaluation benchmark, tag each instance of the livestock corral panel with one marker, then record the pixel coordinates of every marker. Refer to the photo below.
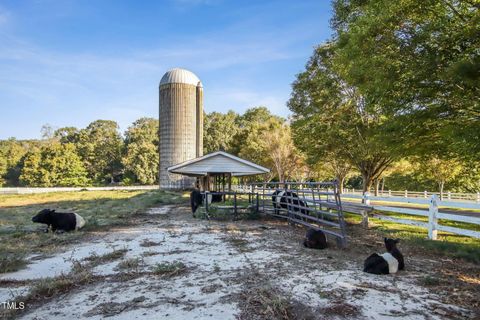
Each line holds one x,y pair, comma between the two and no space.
315,205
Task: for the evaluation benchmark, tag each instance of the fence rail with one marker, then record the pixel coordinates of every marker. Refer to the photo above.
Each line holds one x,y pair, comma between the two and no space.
434,214
72,189
422,194
312,204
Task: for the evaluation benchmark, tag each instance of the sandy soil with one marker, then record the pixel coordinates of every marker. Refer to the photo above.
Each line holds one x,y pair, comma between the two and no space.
242,270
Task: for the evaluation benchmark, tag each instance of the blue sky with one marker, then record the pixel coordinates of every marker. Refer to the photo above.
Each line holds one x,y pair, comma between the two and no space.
68,62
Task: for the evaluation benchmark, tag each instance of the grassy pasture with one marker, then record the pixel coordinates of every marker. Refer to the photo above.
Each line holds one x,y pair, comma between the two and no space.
19,236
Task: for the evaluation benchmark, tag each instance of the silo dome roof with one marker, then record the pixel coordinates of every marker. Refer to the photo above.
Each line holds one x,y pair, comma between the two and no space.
179,75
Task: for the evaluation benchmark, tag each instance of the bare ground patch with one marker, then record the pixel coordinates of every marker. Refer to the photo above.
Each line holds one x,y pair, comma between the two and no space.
174,266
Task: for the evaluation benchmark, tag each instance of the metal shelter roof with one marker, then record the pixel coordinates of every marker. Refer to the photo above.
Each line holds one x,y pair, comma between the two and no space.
217,163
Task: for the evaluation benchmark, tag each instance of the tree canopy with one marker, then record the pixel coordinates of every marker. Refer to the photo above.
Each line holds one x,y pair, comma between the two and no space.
54,165
141,157
100,146
333,120
419,61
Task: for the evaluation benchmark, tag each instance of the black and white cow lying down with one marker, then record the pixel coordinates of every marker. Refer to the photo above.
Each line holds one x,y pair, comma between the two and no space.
389,262
61,221
315,239
282,199
196,199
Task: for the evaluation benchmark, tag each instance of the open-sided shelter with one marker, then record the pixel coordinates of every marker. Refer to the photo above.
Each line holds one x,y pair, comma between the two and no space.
214,171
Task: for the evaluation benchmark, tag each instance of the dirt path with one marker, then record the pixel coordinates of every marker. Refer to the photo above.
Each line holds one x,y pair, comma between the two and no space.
168,265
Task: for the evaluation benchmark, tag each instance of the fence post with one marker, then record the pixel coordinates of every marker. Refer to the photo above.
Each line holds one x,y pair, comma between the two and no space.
449,195
366,198
478,196
389,193
432,218
364,214
235,206
425,194
406,194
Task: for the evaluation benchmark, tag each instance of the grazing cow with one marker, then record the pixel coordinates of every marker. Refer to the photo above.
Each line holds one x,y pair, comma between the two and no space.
389,262
315,239
282,199
61,221
196,199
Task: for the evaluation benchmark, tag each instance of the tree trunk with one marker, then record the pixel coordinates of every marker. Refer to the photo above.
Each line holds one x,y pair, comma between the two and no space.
377,185
371,170
280,177
367,183
341,181
441,184
383,185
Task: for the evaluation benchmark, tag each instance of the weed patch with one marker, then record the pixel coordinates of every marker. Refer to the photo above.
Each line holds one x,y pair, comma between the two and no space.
169,270
95,260
12,261
269,303
131,264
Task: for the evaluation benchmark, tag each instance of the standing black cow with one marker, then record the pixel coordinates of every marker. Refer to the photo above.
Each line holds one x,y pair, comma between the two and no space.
284,199
196,199
389,262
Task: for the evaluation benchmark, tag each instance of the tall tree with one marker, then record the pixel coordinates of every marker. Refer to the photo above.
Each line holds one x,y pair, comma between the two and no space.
47,131
100,147
11,153
67,135
141,157
332,119
281,154
420,62
54,164
331,168
441,171
249,141
219,131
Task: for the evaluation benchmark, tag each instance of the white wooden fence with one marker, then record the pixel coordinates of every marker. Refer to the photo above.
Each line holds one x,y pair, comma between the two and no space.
434,212
70,189
422,194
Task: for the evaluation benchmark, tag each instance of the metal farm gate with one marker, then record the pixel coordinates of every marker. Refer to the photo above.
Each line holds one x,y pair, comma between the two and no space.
312,204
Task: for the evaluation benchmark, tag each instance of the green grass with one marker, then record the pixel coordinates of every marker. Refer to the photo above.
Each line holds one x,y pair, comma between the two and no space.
217,211
19,236
430,281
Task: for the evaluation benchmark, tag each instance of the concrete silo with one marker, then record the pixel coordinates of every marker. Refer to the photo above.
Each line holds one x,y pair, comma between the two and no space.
181,124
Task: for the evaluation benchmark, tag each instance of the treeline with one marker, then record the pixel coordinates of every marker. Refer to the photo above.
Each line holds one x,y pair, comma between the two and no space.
95,155
99,154
266,139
